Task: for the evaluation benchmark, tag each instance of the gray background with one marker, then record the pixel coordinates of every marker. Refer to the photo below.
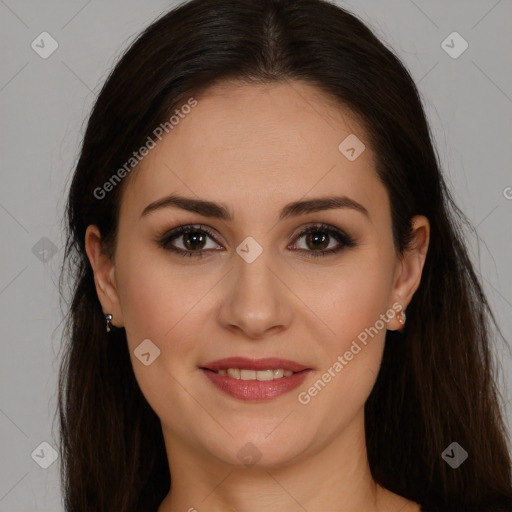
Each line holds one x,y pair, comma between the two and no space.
45,102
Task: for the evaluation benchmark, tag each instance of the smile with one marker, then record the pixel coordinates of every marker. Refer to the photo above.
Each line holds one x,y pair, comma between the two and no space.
242,374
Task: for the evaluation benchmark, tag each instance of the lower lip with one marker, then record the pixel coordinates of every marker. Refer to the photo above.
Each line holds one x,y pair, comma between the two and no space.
255,389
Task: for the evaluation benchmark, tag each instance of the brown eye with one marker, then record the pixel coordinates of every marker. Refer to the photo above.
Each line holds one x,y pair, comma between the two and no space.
192,239
318,238
316,241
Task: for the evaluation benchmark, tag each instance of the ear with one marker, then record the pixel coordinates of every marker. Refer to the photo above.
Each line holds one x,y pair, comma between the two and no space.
410,267
104,275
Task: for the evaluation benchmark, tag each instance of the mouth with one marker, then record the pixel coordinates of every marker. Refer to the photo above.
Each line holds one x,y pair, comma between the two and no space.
255,379
245,374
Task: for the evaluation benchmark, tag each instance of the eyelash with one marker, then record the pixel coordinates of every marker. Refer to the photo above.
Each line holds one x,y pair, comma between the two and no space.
341,237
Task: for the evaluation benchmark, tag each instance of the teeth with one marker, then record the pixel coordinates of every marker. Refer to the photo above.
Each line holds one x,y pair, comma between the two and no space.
248,374
265,375
236,373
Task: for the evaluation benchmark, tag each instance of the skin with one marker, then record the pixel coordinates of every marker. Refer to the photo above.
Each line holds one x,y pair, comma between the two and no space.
255,148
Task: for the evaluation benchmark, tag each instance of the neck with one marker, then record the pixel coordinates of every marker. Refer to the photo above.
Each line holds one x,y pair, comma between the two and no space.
335,477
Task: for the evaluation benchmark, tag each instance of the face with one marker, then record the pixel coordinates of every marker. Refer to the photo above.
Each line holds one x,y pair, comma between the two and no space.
257,284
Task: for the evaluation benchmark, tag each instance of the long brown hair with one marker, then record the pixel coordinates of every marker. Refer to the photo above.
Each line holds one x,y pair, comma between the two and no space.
437,382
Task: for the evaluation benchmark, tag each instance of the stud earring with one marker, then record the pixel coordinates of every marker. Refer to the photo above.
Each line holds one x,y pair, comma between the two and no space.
402,317
108,320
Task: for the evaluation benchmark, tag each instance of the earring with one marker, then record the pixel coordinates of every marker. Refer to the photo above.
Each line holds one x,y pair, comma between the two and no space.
402,317
108,320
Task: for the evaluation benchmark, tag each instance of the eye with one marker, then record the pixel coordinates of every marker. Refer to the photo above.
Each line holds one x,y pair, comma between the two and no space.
319,237
193,239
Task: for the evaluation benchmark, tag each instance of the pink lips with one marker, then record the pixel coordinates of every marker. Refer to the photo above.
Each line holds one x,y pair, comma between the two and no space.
255,389
255,364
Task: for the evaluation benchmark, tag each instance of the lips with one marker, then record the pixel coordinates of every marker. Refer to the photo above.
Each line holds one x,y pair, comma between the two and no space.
243,363
255,379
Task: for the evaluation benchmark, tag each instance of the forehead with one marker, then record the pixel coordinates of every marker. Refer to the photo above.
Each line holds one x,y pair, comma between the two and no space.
247,144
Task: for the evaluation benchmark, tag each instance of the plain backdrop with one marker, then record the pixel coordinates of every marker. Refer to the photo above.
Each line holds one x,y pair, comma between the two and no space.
45,103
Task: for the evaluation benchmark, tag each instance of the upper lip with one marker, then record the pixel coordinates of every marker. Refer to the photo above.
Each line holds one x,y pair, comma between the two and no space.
245,363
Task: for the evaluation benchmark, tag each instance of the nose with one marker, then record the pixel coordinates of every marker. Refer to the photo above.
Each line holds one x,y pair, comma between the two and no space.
257,300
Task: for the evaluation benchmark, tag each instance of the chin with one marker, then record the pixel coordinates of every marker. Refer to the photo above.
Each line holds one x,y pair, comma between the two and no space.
257,448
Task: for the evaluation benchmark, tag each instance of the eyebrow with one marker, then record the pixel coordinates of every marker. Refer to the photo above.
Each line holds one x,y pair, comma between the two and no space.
220,211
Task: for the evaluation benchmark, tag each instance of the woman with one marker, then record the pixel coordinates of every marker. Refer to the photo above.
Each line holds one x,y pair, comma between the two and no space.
256,205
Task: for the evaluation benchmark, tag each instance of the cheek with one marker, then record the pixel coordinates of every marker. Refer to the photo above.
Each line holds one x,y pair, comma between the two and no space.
351,298
157,305
353,305
152,297
161,302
